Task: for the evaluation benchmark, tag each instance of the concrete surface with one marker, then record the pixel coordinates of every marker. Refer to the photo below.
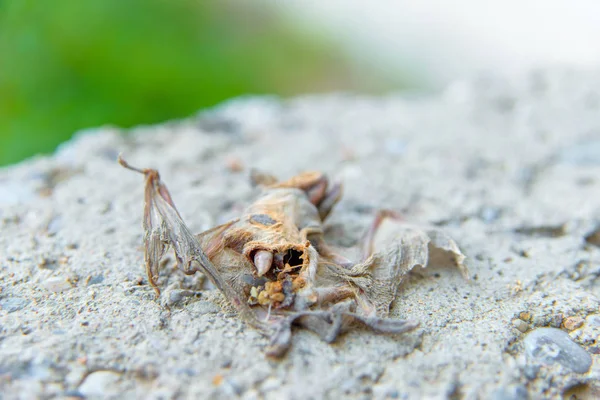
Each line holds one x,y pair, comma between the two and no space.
510,168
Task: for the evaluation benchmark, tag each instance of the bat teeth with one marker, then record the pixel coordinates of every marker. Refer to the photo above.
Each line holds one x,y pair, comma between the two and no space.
263,260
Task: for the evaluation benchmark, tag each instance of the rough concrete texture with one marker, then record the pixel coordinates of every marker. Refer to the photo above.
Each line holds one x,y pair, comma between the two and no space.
509,167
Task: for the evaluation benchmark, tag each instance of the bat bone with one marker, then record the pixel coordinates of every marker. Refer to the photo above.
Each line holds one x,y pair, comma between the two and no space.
263,260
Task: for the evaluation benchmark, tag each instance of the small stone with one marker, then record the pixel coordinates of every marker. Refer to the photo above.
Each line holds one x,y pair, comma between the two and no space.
54,226
521,325
175,296
217,380
100,384
203,307
234,164
75,374
593,237
525,253
94,280
270,384
525,316
44,263
147,372
57,284
550,346
572,323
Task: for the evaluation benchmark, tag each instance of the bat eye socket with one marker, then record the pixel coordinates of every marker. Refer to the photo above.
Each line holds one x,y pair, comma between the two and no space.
293,258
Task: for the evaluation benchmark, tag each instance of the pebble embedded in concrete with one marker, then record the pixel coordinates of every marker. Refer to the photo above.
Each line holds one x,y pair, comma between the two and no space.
521,325
99,383
572,323
57,284
550,346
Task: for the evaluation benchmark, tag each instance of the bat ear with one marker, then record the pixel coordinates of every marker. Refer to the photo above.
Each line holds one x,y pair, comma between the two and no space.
259,178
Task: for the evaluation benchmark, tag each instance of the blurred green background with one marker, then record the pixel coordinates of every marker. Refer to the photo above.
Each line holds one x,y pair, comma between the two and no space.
67,65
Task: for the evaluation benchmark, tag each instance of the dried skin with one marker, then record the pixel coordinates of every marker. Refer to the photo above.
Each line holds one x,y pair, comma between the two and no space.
274,266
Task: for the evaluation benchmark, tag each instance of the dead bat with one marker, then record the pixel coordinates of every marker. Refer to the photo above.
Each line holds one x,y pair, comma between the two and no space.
275,268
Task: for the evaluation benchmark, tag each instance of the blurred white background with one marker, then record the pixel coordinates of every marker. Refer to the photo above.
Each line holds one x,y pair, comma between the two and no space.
440,41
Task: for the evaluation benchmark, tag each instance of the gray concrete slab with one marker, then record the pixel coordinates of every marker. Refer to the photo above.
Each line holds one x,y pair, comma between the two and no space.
509,167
